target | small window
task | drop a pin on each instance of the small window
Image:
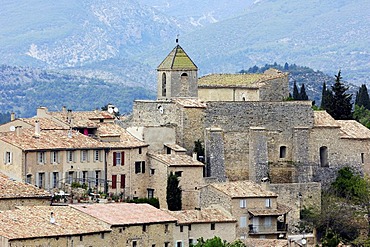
(137, 167)
(166, 228)
(152, 171)
(144, 228)
(153, 245)
(178, 173)
(362, 158)
(243, 221)
(213, 226)
(54, 157)
(81, 238)
(166, 244)
(150, 193)
(41, 157)
(116, 158)
(191, 241)
(55, 179)
(134, 243)
(83, 155)
(29, 179)
(189, 227)
(41, 180)
(140, 151)
(268, 203)
(96, 155)
(164, 85)
(282, 152)
(70, 156)
(181, 228)
(168, 150)
(102, 235)
(324, 157)
(8, 158)
(243, 203)
(179, 244)
(97, 178)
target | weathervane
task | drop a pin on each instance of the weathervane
(177, 39)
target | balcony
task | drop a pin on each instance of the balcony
(268, 229)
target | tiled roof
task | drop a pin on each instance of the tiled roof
(45, 123)
(10, 189)
(206, 215)
(323, 119)
(175, 147)
(266, 242)
(125, 213)
(280, 210)
(177, 59)
(83, 119)
(49, 139)
(237, 80)
(243, 189)
(351, 129)
(34, 222)
(176, 159)
(189, 103)
(125, 138)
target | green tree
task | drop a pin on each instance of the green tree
(362, 97)
(302, 93)
(341, 106)
(173, 193)
(326, 97)
(362, 115)
(217, 242)
(296, 95)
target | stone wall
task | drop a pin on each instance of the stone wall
(12, 203)
(297, 196)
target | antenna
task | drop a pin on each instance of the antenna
(110, 110)
(115, 109)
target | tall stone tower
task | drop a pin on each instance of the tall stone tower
(177, 76)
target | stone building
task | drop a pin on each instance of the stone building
(51, 226)
(133, 224)
(256, 209)
(203, 223)
(14, 193)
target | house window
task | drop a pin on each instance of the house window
(168, 150)
(70, 177)
(102, 235)
(84, 177)
(362, 158)
(41, 180)
(140, 150)
(181, 228)
(267, 222)
(29, 178)
(166, 244)
(164, 84)
(178, 173)
(134, 243)
(191, 241)
(140, 167)
(243, 221)
(144, 228)
(81, 238)
(152, 171)
(8, 158)
(55, 179)
(189, 227)
(41, 157)
(118, 158)
(243, 203)
(96, 155)
(123, 181)
(70, 156)
(150, 193)
(282, 152)
(268, 203)
(54, 157)
(324, 157)
(166, 228)
(97, 176)
(114, 181)
(213, 226)
(179, 244)
(84, 155)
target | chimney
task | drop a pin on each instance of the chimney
(37, 128)
(12, 116)
(64, 109)
(265, 183)
(195, 156)
(18, 130)
(52, 219)
(42, 112)
(69, 116)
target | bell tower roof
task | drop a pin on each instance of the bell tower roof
(177, 60)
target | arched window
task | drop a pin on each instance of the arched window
(324, 156)
(164, 84)
(184, 77)
(282, 152)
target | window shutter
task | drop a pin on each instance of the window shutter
(51, 181)
(114, 158)
(87, 156)
(114, 181)
(100, 155)
(143, 167)
(81, 155)
(122, 158)
(37, 179)
(123, 181)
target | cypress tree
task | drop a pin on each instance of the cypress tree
(296, 95)
(340, 107)
(173, 193)
(362, 97)
(302, 93)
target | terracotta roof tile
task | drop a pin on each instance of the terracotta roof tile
(34, 222)
(87, 119)
(351, 129)
(45, 123)
(13, 189)
(176, 159)
(280, 210)
(175, 147)
(206, 215)
(242, 189)
(126, 213)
